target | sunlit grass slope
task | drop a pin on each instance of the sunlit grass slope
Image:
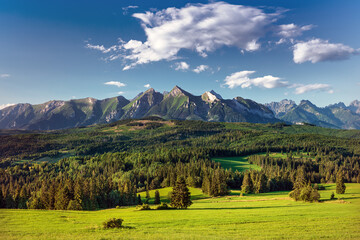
(262, 216)
(236, 163)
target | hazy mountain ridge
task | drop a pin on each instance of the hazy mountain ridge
(177, 104)
(336, 115)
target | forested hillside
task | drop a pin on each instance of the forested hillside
(105, 166)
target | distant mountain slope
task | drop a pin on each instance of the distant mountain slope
(210, 106)
(282, 107)
(139, 106)
(62, 114)
(355, 106)
(334, 116)
(177, 104)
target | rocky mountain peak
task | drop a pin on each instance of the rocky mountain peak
(211, 96)
(337, 105)
(355, 106)
(177, 91)
(282, 107)
(216, 94)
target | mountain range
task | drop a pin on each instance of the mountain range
(177, 104)
(333, 116)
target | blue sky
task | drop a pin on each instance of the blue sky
(262, 50)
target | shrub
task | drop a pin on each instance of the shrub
(162, 206)
(144, 207)
(305, 193)
(113, 223)
(332, 197)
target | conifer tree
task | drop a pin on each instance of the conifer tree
(180, 196)
(139, 202)
(340, 185)
(247, 184)
(261, 185)
(157, 197)
(147, 197)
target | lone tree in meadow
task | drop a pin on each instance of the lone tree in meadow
(180, 196)
(340, 185)
(303, 190)
(157, 197)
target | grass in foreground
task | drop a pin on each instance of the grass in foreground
(262, 216)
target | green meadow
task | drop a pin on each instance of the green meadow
(262, 216)
(236, 163)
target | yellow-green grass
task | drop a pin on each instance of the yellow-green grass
(196, 193)
(262, 216)
(236, 163)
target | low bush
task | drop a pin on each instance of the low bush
(332, 197)
(113, 223)
(162, 206)
(144, 207)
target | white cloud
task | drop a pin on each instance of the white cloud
(121, 93)
(291, 30)
(115, 83)
(314, 87)
(318, 50)
(101, 48)
(181, 66)
(147, 85)
(202, 28)
(126, 9)
(242, 79)
(6, 105)
(201, 68)
(4, 75)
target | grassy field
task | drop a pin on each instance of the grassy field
(262, 216)
(241, 163)
(196, 194)
(236, 163)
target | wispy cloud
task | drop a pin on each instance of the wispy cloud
(201, 68)
(121, 93)
(115, 83)
(291, 30)
(300, 89)
(318, 50)
(5, 75)
(147, 85)
(181, 66)
(126, 9)
(101, 48)
(243, 80)
(6, 105)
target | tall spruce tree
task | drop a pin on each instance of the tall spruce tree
(180, 196)
(157, 197)
(247, 184)
(340, 185)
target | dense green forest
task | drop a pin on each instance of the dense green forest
(104, 166)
